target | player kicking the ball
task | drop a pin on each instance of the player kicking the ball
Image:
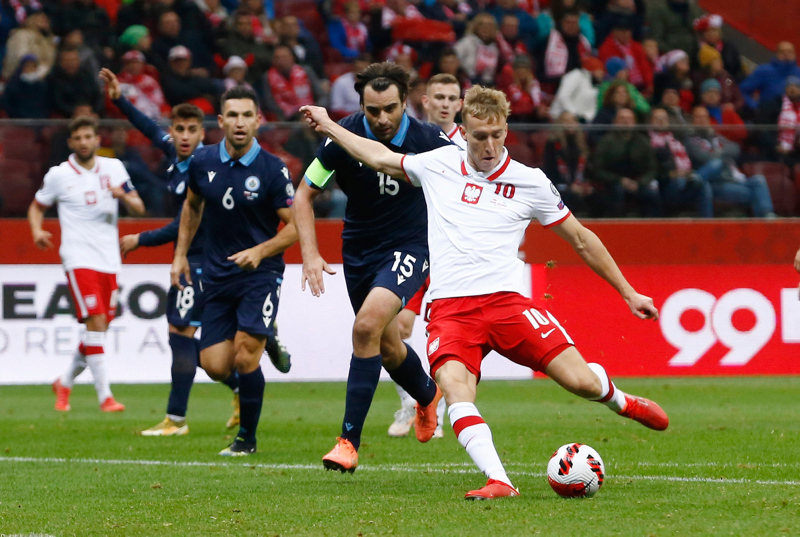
(479, 204)
(87, 189)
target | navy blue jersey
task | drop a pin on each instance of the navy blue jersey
(177, 175)
(241, 202)
(382, 213)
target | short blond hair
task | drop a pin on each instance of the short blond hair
(486, 103)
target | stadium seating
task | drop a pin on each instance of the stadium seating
(781, 187)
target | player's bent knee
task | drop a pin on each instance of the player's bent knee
(217, 371)
(366, 330)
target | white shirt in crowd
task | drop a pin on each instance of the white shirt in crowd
(476, 220)
(344, 97)
(87, 212)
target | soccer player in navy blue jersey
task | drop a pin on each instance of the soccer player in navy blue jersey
(242, 193)
(385, 253)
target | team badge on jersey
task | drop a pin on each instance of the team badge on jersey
(290, 190)
(252, 183)
(91, 197)
(472, 193)
(180, 188)
(554, 190)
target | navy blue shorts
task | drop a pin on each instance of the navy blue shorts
(184, 308)
(401, 271)
(247, 302)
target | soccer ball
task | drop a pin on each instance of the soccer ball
(575, 471)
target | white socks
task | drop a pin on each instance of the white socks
(406, 401)
(90, 352)
(476, 437)
(610, 396)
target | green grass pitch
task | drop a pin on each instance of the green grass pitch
(728, 465)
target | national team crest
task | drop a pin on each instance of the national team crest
(180, 188)
(472, 193)
(252, 183)
(90, 197)
(554, 190)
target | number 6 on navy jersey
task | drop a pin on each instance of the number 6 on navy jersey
(227, 199)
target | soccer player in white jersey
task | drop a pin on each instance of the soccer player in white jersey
(87, 189)
(479, 204)
(442, 102)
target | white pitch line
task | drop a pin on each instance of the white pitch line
(460, 468)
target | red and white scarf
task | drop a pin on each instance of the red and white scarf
(563, 167)
(19, 9)
(557, 54)
(290, 93)
(634, 73)
(356, 35)
(508, 52)
(678, 150)
(487, 59)
(788, 122)
(523, 102)
(144, 92)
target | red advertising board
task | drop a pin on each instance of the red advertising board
(714, 319)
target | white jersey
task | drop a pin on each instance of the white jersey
(87, 212)
(457, 138)
(476, 220)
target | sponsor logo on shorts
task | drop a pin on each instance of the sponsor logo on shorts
(472, 193)
(433, 347)
(91, 301)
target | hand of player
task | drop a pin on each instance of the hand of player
(118, 192)
(797, 261)
(180, 267)
(316, 117)
(112, 84)
(642, 306)
(246, 259)
(42, 238)
(312, 273)
(128, 243)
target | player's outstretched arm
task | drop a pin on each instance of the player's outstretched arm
(374, 154)
(250, 259)
(41, 238)
(595, 254)
(313, 263)
(191, 214)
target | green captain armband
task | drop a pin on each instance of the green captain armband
(317, 176)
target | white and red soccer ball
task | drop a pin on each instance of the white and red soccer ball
(575, 471)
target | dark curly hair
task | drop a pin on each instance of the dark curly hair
(380, 76)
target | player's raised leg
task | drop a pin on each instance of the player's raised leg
(591, 381)
(459, 386)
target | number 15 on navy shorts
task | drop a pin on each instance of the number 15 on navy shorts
(401, 271)
(247, 302)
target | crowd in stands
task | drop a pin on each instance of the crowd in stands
(609, 64)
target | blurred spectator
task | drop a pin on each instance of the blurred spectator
(671, 24)
(785, 112)
(69, 85)
(241, 42)
(565, 157)
(478, 51)
(768, 81)
(33, 37)
(577, 93)
(709, 33)
(216, 14)
(348, 34)
(721, 114)
(729, 184)
(303, 143)
(653, 55)
(21, 8)
(528, 28)
(624, 13)
(137, 37)
(25, 95)
(151, 189)
(404, 56)
(546, 21)
(142, 90)
(624, 168)
(192, 19)
(509, 41)
(455, 12)
(448, 63)
(235, 72)
(565, 48)
(711, 66)
(671, 102)
(89, 60)
(414, 106)
(305, 47)
(679, 184)
(181, 86)
(392, 9)
(91, 19)
(617, 71)
(263, 30)
(136, 13)
(676, 75)
(171, 34)
(525, 94)
(288, 86)
(344, 97)
(7, 23)
(620, 44)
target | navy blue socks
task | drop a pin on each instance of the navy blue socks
(412, 378)
(361, 384)
(232, 381)
(251, 397)
(185, 357)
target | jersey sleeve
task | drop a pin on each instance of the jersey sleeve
(437, 137)
(193, 175)
(282, 189)
(120, 176)
(47, 195)
(547, 206)
(414, 168)
(330, 155)
(146, 126)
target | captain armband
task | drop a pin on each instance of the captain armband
(127, 186)
(317, 176)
